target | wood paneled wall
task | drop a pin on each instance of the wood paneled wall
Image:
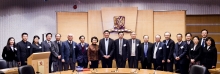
(195, 23)
(143, 22)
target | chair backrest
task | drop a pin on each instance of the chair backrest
(197, 69)
(26, 69)
(3, 64)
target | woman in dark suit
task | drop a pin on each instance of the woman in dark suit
(209, 58)
(195, 52)
(10, 53)
(35, 44)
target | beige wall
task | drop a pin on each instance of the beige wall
(172, 21)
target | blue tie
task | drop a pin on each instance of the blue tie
(145, 49)
(203, 43)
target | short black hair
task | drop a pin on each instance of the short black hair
(196, 37)
(180, 34)
(106, 31)
(145, 35)
(81, 36)
(168, 32)
(120, 32)
(188, 33)
(36, 36)
(49, 34)
(24, 34)
(94, 38)
(212, 41)
(58, 34)
(205, 30)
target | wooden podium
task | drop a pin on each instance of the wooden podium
(40, 62)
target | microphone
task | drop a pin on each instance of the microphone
(156, 69)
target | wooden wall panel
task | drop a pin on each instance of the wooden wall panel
(145, 24)
(72, 22)
(198, 28)
(130, 14)
(94, 24)
(172, 21)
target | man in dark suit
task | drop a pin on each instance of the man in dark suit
(168, 66)
(134, 51)
(106, 48)
(121, 49)
(189, 43)
(180, 55)
(56, 54)
(204, 34)
(82, 58)
(69, 53)
(146, 53)
(24, 50)
(46, 47)
(159, 53)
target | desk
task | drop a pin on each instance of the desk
(120, 71)
(215, 71)
(9, 70)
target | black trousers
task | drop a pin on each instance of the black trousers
(83, 64)
(182, 68)
(106, 63)
(169, 66)
(157, 66)
(70, 64)
(94, 64)
(145, 64)
(133, 62)
(120, 62)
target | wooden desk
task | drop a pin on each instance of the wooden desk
(120, 71)
(9, 70)
(215, 71)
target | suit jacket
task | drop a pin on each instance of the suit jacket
(111, 48)
(195, 54)
(55, 50)
(160, 53)
(125, 48)
(209, 56)
(66, 51)
(188, 46)
(82, 55)
(149, 52)
(200, 41)
(137, 48)
(180, 50)
(45, 46)
(24, 50)
(169, 49)
(9, 54)
(36, 48)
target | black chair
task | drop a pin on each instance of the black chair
(3, 64)
(26, 69)
(197, 69)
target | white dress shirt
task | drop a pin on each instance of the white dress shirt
(155, 50)
(106, 46)
(133, 47)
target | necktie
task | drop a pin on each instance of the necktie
(156, 44)
(166, 42)
(49, 43)
(106, 39)
(203, 43)
(120, 47)
(145, 49)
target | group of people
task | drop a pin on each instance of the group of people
(162, 54)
